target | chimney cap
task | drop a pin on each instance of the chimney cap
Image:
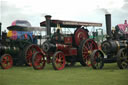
(107, 14)
(48, 16)
(125, 22)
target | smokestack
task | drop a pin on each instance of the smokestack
(125, 22)
(48, 22)
(108, 25)
(0, 29)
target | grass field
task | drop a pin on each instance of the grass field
(77, 75)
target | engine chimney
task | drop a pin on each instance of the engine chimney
(125, 22)
(0, 29)
(48, 22)
(108, 25)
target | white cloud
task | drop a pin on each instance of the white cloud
(80, 10)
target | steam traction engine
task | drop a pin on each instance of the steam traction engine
(15, 44)
(115, 46)
(60, 48)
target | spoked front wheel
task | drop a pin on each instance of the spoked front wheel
(6, 61)
(122, 58)
(58, 60)
(97, 59)
(38, 61)
(30, 50)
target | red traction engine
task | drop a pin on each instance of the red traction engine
(65, 49)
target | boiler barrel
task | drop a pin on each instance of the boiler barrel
(114, 46)
(8, 49)
(50, 47)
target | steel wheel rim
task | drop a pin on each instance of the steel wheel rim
(59, 61)
(87, 49)
(124, 59)
(30, 51)
(39, 61)
(6, 61)
(97, 59)
(85, 54)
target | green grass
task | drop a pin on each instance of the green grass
(77, 75)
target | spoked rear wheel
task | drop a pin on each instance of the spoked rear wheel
(122, 58)
(6, 61)
(85, 49)
(29, 51)
(58, 60)
(38, 61)
(97, 59)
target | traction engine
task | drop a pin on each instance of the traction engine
(15, 45)
(65, 49)
(115, 46)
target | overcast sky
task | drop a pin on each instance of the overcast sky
(79, 10)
